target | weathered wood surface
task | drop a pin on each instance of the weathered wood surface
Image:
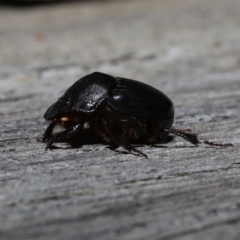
(189, 50)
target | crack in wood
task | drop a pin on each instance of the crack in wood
(198, 229)
(14, 99)
(13, 139)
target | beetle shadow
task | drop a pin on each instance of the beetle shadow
(168, 140)
(113, 148)
(86, 138)
(156, 144)
(89, 138)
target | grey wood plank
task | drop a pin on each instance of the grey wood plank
(189, 50)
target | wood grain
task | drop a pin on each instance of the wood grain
(189, 50)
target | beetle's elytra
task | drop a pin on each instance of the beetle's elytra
(120, 111)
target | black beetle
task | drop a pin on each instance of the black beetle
(120, 111)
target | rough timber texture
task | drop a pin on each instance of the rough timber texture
(188, 49)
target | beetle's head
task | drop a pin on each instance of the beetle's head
(62, 114)
(58, 109)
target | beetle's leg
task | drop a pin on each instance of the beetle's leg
(190, 137)
(193, 138)
(130, 148)
(125, 145)
(65, 135)
(107, 135)
(215, 144)
(47, 134)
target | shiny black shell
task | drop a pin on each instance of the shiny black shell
(123, 96)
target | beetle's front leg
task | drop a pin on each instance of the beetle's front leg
(47, 134)
(65, 135)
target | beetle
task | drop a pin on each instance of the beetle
(120, 111)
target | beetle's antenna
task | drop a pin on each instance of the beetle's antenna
(215, 144)
(190, 137)
(193, 138)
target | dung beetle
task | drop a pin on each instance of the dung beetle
(118, 110)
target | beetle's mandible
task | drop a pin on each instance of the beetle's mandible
(118, 110)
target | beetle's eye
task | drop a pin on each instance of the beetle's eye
(64, 119)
